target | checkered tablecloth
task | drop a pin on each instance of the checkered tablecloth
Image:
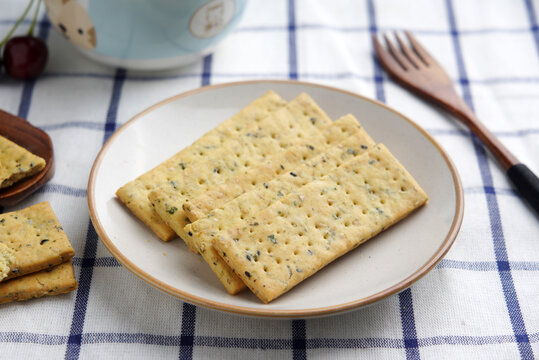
(480, 302)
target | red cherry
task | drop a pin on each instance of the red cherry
(25, 57)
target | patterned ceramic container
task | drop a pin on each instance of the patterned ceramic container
(145, 34)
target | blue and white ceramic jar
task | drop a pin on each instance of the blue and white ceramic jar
(145, 34)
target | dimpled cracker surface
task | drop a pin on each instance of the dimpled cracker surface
(6, 260)
(260, 197)
(214, 198)
(321, 221)
(298, 122)
(36, 237)
(57, 280)
(135, 193)
(17, 163)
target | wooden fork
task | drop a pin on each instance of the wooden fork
(413, 67)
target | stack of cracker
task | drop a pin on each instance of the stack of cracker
(275, 193)
(35, 255)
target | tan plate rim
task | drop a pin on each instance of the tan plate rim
(257, 312)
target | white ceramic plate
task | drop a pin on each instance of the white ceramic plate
(383, 266)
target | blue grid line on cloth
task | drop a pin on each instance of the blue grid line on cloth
(26, 98)
(378, 74)
(407, 316)
(252, 343)
(90, 247)
(500, 250)
(313, 75)
(73, 125)
(470, 340)
(83, 293)
(530, 9)
(188, 331)
(292, 50)
(206, 70)
(490, 190)
(514, 133)
(110, 124)
(348, 29)
(62, 189)
(299, 340)
(307, 26)
(105, 261)
(28, 88)
(486, 265)
(408, 324)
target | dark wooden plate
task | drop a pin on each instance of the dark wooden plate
(34, 140)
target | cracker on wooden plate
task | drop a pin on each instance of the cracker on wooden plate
(36, 237)
(135, 193)
(300, 121)
(250, 203)
(16, 163)
(338, 131)
(7, 256)
(321, 221)
(56, 280)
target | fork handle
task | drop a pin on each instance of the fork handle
(460, 109)
(527, 184)
(523, 179)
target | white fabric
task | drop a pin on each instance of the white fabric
(481, 301)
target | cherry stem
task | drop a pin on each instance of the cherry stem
(8, 36)
(31, 29)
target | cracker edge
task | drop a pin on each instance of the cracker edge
(7, 256)
(68, 283)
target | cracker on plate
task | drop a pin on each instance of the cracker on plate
(300, 121)
(135, 193)
(17, 163)
(312, 226)
(217, 196)
(260, 197)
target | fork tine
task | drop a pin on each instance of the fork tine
(406, 65)
(409, 53)
(420, 51)
(386, 59)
